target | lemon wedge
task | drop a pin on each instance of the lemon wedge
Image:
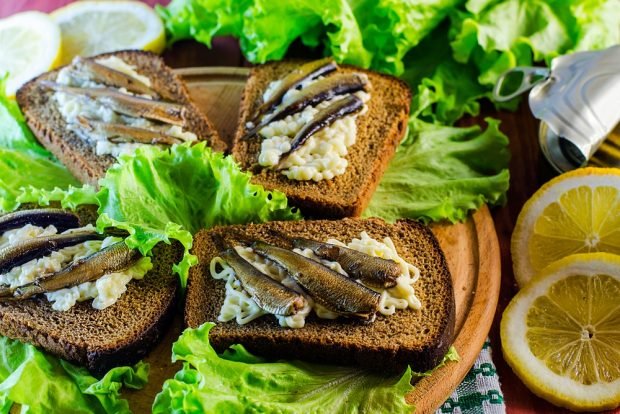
(561, 332)
(92, 27)
(30, 45)
(576, 212)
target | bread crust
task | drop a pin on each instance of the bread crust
(99, 340)
(379, 134)
(409, 337)
(52, 131)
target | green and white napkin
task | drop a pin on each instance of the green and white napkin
(480, 391)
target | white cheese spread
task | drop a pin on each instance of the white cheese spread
(105, 291)
(240, 306)
(323, 155)
(72, 106)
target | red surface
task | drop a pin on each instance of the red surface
(8, 7)
(524, 181)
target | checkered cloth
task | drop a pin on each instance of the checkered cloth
(480, 392)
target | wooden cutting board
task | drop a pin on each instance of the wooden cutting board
(471, 249)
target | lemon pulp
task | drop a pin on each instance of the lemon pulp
(93, 27)
(30, 45)
(583, 220)
(575, 328)
(575, 213)
(561, 333)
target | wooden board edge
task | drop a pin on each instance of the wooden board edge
(431, 392)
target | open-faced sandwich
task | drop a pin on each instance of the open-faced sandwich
(90, 112)
(352, 291)
(321, 133)
(81, 295)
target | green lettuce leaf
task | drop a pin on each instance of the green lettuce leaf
(159, 195)
(239, 382)
(446, 89)
(509, 34)
(442, 172)
(24, 164)
(41, 383)
(23, 172)
(203, 19)
(451, 356)
(71, 198)
(457, 64)
(366, 33)
(499, 35)
(596, 24)
(391, 28)
(269, 28)
(14, 133)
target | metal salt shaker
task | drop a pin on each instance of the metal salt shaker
(578, 103)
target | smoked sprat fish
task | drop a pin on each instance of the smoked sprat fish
(42, 217)
(119, 133)
(310, 70)
(372, 271)
(320, 91)
(330, 289)
(90, 70)
(166, 112)
(114, 258)
(27, 250)
(268, 294)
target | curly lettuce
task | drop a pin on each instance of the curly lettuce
(391, 28)
(15, 134)
(22, 172)
(367, 33)
(446, 89)
(203, 20)
(499, 35)
(59, 385)
(24, 164)
(239, 382)
(71, 198)
(159, 195)
(443, 173)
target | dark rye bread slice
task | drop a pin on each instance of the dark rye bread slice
(380, 131)
(418, 338)
(52, 131)
(121, 334)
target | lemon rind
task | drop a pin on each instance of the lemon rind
(49, 30)
(555, 388)
(533, 208)
(153, 38)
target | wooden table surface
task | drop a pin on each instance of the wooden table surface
(528, 171)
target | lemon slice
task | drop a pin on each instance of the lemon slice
(29, 46)
(577, 212)
(93, 27)
(561, 333)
